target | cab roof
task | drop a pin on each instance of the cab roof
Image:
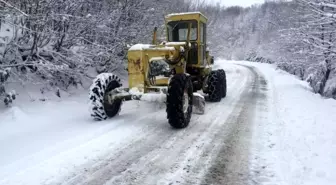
(187, 16)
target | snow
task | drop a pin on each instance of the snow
(139, 47)
(330, 88)
(198, 103)
(162, 48)
(175, 43)
(6, 35)
(185, 13)
(136, 91)
(47, 141)
(198, 95)
(148, 97)
(296, 139)
(293, 141)
(154, 97)
(182, 49)
(6, 32)
(4, 74)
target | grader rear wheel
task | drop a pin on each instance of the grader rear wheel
(214, 86)
(101, 108)
(223, 80)
(179, 101)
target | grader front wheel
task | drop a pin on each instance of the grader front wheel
(179, 101)
(101, 108)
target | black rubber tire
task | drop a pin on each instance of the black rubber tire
(223, 79)
(101, 109)
(214, 86)
(175, 115)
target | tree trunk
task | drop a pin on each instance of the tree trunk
(327, 54)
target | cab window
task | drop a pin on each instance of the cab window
(178, 31)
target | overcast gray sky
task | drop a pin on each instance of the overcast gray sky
(243, 3)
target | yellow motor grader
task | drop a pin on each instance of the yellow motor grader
(175, 69)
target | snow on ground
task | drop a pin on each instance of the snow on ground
(41, 141)
(297, 141)
(294, 143)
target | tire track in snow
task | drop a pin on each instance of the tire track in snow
(198, 157)
(160, 150)
(169, 159)
(231, 166)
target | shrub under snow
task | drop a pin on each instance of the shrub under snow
(330, 87)
(316, 76)
(8, 97)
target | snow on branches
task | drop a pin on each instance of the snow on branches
(320, 36)
(61, 44)
(8, 97)
(298, 36)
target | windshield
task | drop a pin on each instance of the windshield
(178, 31)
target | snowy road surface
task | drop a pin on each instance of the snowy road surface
(266, 131)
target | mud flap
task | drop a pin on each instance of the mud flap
(198, 104)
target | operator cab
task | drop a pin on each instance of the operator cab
(177, 31)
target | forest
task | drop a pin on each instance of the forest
(63, 44)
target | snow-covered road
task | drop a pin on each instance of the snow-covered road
(236, 142)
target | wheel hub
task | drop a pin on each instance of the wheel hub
(108, 99)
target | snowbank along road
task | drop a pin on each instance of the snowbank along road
(58, 143)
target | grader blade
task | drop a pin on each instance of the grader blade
(198, 101)
(198, 104)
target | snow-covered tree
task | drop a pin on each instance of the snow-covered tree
(56, 43)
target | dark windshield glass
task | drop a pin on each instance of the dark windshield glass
(178, 31)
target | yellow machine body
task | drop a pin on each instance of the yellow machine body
(171, 72)
(175, 53)
(139, 59)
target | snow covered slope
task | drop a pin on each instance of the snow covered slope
(270, 129)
